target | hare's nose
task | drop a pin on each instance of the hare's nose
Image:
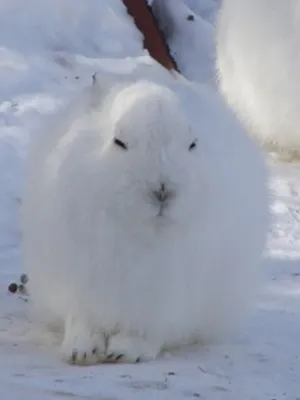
(162, 194)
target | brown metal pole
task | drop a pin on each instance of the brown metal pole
(154, 41)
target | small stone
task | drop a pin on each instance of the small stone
(190, 17)
(24, 279)
(13, 287)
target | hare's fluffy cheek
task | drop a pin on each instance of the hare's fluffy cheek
(123, 193)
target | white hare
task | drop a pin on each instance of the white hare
(145, 217)
(258, 57)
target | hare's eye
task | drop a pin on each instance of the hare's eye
(193, 145)
(121, 144)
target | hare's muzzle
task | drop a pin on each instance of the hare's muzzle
(162, 195)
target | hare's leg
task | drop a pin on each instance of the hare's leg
(83, 343)
(130, 349)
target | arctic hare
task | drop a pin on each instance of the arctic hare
(145, 217)
(259, 68)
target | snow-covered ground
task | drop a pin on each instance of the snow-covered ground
(48, 51)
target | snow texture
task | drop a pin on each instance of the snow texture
(259, 62)
(49, 51)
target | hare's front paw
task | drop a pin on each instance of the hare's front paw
(128, 349)
(82, 345)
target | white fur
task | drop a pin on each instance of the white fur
(259, 68)
(124, 281)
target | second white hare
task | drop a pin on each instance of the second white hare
(258, 50)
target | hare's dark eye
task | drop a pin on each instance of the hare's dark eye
(121, 144)
(193, 145)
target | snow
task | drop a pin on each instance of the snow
(189, 40)
(48, 51)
